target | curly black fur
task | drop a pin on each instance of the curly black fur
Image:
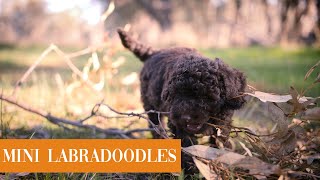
(194, 89)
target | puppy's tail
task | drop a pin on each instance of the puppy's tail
(142, 51)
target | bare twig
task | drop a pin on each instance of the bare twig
(66, 58)
(299, 173)
(248, 131)
(65, 122)
(82, 52)
(139, 130)
(34, 65)
(140, 115)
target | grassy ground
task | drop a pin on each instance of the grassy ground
(273, 69)
(267, 69)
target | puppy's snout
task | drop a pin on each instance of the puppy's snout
(186, 118)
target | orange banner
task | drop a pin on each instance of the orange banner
(90, 155)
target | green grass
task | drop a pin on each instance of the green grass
(272, 69)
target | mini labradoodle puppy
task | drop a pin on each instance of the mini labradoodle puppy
(200, 94)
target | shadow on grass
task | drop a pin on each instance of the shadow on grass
(11, 66)
(6, 46)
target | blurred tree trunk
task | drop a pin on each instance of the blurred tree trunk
(317, 28)
(159, 10)
(237, 18)
(268, 17)
(25, 18)
(291, 27)
(285, 7)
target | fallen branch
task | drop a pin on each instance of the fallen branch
(79, 123)
(158, 128)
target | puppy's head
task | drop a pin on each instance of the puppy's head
(198, 89)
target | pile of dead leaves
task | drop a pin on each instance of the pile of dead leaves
(293, 151)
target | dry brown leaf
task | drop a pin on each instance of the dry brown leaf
(267, 97)
(22, 174)
(287, 108)
(311, 158)
(280, 146)
(257, 168)
(297, 107)
(317, 79)
(219, 132)
(294, 94)
(278, 117)
(120, 61)
(259, 147)
(231, 159)
(245, 148)
(204, 151)
(284, 140)
(100, 85)
(86, 69)
(130, 79)
(297, 104)
(311, 114)
(310, 102)
(95, 61)
(205, 169)
(176, 174)
(311, 70)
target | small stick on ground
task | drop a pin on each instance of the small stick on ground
(79, 123)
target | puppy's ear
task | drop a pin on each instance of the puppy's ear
(234, 89)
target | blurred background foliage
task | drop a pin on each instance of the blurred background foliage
(206, 23)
